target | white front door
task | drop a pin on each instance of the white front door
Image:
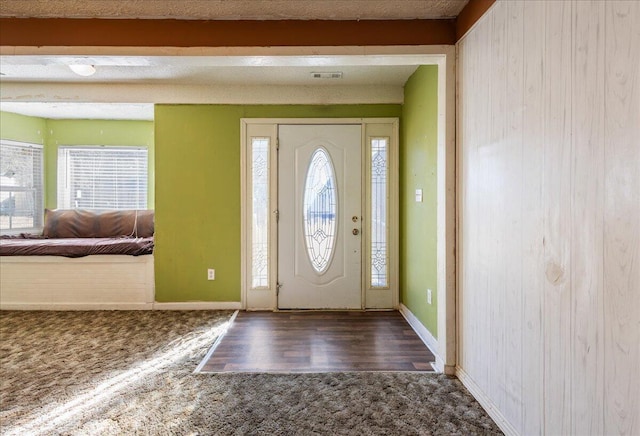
(320, 215)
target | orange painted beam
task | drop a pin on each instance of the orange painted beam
(203, 33)
(471, 13)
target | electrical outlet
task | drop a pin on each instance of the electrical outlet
(429, 296)
(211, 274)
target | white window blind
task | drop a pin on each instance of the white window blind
(21, 203)
(102, 177)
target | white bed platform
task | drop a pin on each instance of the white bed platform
(92, 282)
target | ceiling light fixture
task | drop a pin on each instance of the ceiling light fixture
(83, 70)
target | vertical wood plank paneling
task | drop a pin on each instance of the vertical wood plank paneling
(558, 231)
(587, 201)
(482, 143)
(466, 131)
(622, 219)
(512, 193)
(532, 219)
(496, 170)
(549, 107)
(471, 277)
(463, 131)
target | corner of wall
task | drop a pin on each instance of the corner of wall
(418, 219)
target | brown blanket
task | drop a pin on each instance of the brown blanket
(74, 247)
(77, 223)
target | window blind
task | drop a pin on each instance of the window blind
(102, 177)
(21, 201)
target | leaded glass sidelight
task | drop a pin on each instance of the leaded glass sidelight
(379, 198)
(320, 210)
(260, 212)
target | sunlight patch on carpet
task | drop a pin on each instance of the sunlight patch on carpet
(46, 421)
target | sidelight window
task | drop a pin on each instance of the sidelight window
(260, 212)
(379, 212)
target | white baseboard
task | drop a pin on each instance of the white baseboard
(76, 306)
(424, 334)
(198, 305)
(485, 402)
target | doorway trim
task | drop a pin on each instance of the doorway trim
(442, 55)
(265, 297)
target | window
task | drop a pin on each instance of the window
(320, 210)
(379, 216)
(21, 204)
(259, 157)
(102, 177)
(260, 212)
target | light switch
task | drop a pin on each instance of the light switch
(418, 195)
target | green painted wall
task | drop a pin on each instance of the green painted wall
(198, 192)
(22, 128)
(418, 165)
(94, 132)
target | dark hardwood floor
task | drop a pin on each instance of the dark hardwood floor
(319, 342)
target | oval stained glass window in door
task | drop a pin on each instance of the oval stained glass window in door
(320, 210)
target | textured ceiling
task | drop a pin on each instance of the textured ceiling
(282, 73)
(235, 9)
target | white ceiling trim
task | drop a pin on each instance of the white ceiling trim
(397, 51)
(193, 94)
(87, 111)
(317, 60)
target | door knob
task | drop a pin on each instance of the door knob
(356, 232)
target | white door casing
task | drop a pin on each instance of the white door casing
(329, 276)
(260, 292)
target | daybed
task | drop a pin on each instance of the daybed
(82, 260)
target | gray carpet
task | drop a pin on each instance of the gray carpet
(131, 373)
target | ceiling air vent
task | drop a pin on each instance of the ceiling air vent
(330, 75)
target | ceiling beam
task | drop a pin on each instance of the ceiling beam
(204, 33)
(470, 14)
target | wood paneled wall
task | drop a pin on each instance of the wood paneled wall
(549, 215)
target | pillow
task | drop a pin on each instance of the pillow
(77, 223)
